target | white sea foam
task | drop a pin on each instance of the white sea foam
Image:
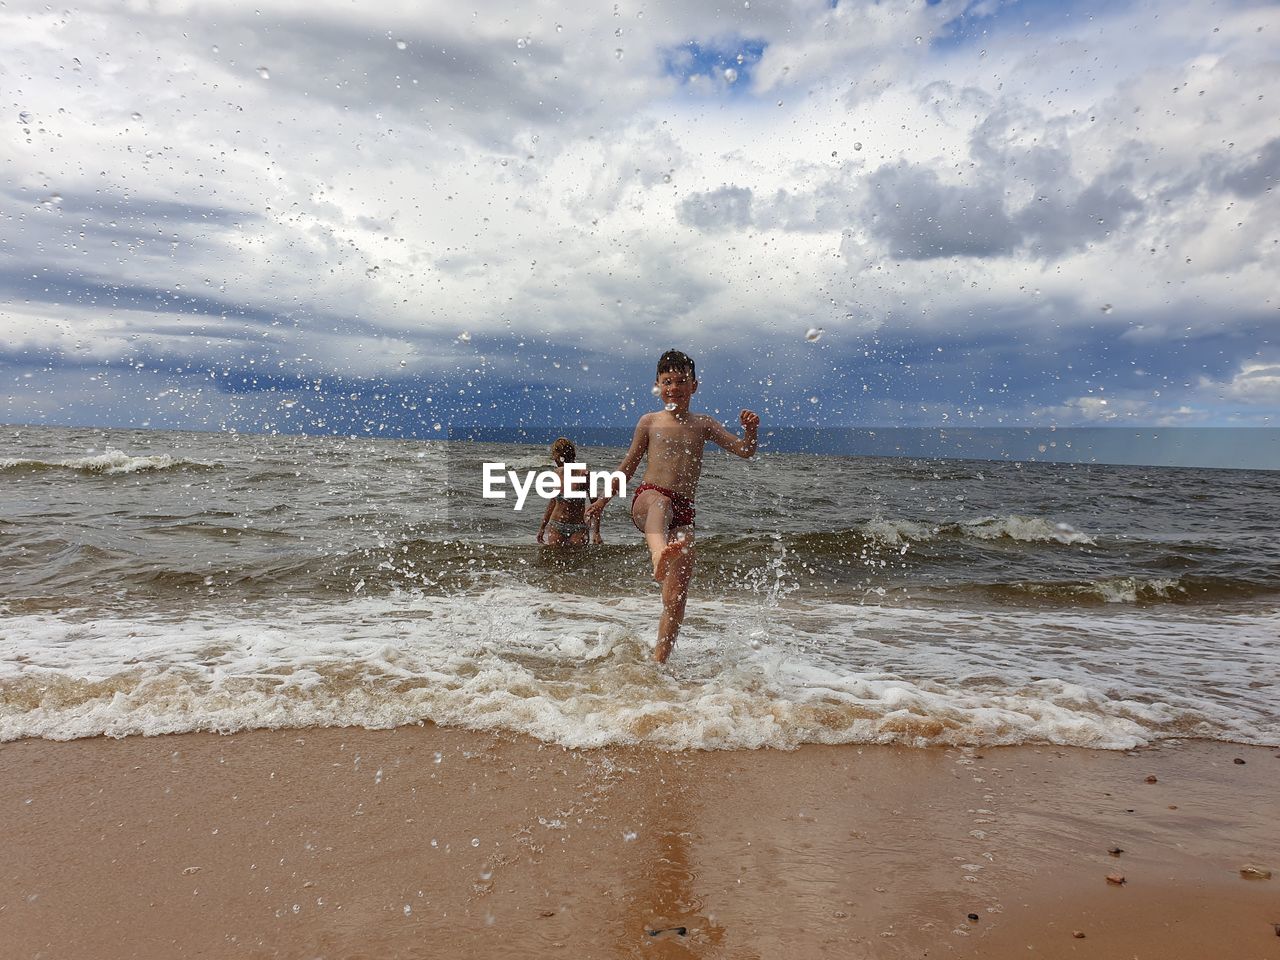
(1025, 529)
(896, 532)
(1132, 589)
(574, 671)
(110, 462)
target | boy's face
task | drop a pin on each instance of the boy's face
(676, 386)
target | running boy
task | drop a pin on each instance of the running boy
(662, 506)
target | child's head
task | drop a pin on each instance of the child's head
(563, 451)
(673, 361)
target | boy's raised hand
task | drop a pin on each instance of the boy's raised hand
(749, 419)
(597, 507)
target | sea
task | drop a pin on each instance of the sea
(160, 582)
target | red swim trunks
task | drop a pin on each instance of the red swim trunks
(681, 507)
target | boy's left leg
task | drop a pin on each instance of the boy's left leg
(651, 512)
(675, 591)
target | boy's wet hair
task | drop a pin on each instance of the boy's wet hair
(563, 451)
(673, 361)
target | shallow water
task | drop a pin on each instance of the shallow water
(157, 582)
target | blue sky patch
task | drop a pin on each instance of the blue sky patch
(729, 63)
(983, 19)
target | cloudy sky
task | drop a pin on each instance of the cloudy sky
(392, 218)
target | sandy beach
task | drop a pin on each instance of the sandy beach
(435, 842)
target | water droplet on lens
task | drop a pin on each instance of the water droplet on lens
(669, 407)
(813, 334)
(475, 841)
(654, 390)
(264, 73)
(666, 178)
(371, 272)
(402, 45)
(617, 54)
(1107, 308)
(135, 115)
(522, 42)
(858, 145)
(740, 58)
(730, 75)
(919, 39)
(464, 337)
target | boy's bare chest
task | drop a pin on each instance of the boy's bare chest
(677, 439)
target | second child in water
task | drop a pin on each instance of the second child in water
(662, 506)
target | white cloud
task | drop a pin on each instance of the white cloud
(1253, 383)
(507, 174)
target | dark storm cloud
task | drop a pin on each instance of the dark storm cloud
(918, 217)
(1255, 176)
(486, 88)
(727, 208)
(102, 218)
(827, 207)
(89, 290)
(106, 207)
(1062, 221)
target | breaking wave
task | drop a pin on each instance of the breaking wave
(573, 671)
(108, 463)
(1023, 529)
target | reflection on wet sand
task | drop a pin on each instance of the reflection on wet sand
(666, 903)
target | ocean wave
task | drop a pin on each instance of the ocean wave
(108, 463)
(1109, 590)
(1019, 528)
(573, 671)
(1189, 590)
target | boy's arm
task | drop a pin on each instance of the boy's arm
(546, 516)
(629, 463)
(744, 446)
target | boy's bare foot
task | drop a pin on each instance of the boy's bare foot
(665, 559)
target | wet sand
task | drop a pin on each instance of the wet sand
(431, 842)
